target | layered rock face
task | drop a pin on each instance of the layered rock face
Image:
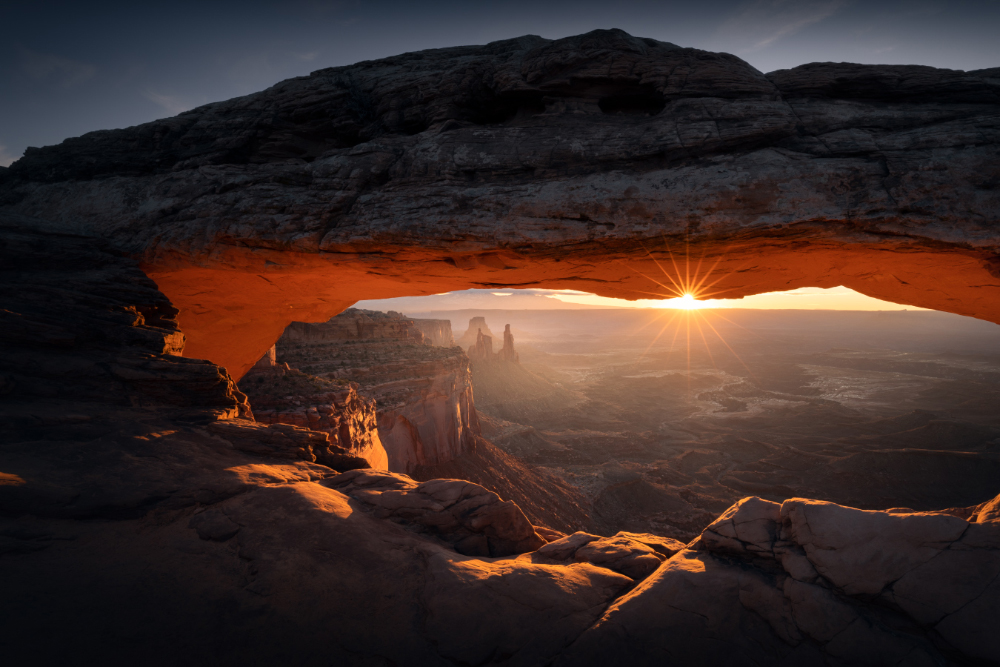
(281, 395)
(355, 324)
(436, 332)
(423, 394)
(587, 162)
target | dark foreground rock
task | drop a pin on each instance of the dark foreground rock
(807, 582)
(139, 526)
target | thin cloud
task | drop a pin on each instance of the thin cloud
(169, 103)
(307, 57)
(6, 159)
(764, 22)
(49, 67)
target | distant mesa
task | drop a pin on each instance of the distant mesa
(471, 335)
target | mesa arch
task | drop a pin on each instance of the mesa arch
(570, 163)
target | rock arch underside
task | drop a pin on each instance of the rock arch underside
(142, 505)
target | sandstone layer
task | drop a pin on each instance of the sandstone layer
(811, 583)
(436, 332)
(282, 395)
(423, 395)
(602, 162)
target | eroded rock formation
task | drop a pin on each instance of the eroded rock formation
(282, 395)
(477, 326)
(423, 394)
(476, 521)
(807, 582)
(482, 350)
(126, 511)
(569, 163)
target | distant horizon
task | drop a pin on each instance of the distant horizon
(806, 298)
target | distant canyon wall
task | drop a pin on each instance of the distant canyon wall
(423, 394)
(437, 332)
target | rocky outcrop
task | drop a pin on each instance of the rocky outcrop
(281, 395)
(507, 353)
(589, 162)
(546, 499)
(423, 394)
(809, 582)
(635, 555)
(436, 332)
(354, 324)
(476, 521)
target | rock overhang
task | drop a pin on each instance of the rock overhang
(589, 162)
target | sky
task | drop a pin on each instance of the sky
(71, 67)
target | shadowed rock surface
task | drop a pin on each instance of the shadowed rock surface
(806, 582)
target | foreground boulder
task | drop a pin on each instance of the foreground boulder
(809, 582)
(464, 514)
(632, 554)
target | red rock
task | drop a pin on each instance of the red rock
(293, 203)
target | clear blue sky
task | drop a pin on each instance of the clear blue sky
(68, 68)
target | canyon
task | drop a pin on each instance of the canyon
(148, 516)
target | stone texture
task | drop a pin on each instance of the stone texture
(436, 332)
(635, 555)
(476, 521)
(281, 395)
(587, 162)
(810, 582)
(423, 394)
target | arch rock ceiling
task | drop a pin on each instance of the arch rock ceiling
(602, 162)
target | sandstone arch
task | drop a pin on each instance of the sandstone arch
(532, 162)
(135, 503)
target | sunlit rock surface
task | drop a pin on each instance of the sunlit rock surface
(569, 163)
(476, 521)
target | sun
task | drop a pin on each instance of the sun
(687, 302)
